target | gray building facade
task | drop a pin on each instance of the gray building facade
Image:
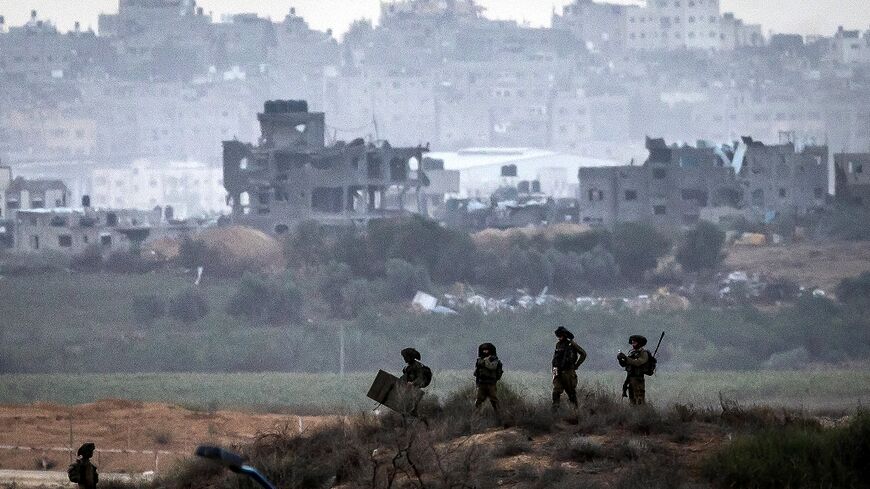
(853, 178)
(677, 183)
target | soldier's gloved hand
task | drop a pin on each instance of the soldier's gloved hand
(555, 371)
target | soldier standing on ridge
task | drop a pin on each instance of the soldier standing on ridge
(566, 359)
(487, 372)
(82, 471)
(415, 373)
(635, 364)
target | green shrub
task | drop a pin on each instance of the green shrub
(129, 262)
(599, 267)
(637, 248)
(360, 295)
(567, 271)
(404, 279)
(582, 242)
(89, 260)
(193, 253)
(307, 245)
(846, 222)
(795, 457)
(147, 308)
(331, 279)
(24, 264)
(276, 301)
(854, 289)
(701, 247)
(188, 306)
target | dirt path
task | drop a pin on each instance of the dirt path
(40, 478)
(130, 436)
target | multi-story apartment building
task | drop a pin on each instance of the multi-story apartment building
(736, 34)
(57, 132)
(35, 50)
(676, 183)
(168, 120)
(851, 46)
(599, 26)
(191, 189)
(71, 231)
(779, 179)
(853, 178)
(27, 194)
(674, 24)
(5, 181)
(668, 190)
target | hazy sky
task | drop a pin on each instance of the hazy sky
(801, 16)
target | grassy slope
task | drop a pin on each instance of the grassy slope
(317, 392)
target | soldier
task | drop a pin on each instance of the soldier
(566, 359)
(415, 373)
(487, 372)
(82, 471)
(635, 364)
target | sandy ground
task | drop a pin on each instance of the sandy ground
(127, 426)
(820, 265)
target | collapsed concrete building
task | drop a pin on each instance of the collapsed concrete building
(679, 185)
(291, 175)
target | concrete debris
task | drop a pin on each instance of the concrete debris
(521, 300)
(424, 301)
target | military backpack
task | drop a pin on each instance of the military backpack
(649, 368)
(74, 472)
(427, 375)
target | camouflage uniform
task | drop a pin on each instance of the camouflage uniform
(634, 364)
(566, 359)
(413, 372)
(82, 470)
(487, 372)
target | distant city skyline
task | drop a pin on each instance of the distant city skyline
(820, 17)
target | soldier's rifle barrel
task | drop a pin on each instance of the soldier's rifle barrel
(659, 344)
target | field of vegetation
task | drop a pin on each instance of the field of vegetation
(330, 393)
(94, 323)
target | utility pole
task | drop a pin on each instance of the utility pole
(341, 350)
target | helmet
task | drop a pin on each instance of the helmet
(410, 354)
(561, 331)
(86, 450)
(636, 337)
(486, 346)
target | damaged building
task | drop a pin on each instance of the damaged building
(853, 178)
(668, 190)
(679, 185)
(71, 231)
(291, 175)
(779, 179)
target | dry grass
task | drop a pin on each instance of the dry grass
(809, 264)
